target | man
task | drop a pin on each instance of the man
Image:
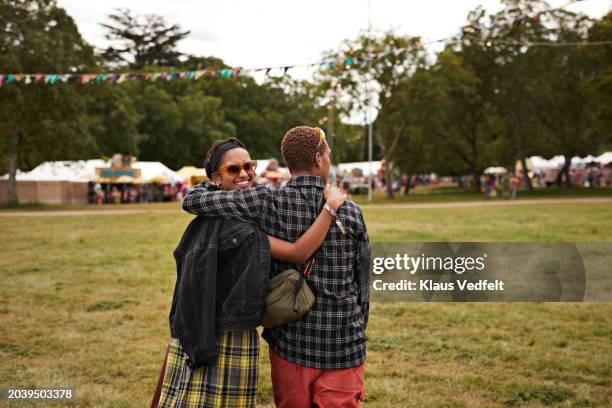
(318, 359)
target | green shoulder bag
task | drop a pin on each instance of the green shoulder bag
(288, 298)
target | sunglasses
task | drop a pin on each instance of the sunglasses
(235, 169)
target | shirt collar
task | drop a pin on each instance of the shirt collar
(306, 181)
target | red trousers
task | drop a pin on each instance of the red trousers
(296, 386)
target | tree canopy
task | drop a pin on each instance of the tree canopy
(504, 88)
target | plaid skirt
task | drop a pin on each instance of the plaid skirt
(232, 382)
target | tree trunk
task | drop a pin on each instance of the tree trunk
(12, 168)
(518, 140)
(408, 184)
(474, 162)
(476, 179)
(568, 165)
(564, 172)
(387, 152)
(474, 165)
(525, 172)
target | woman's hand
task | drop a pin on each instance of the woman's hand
(334, 197)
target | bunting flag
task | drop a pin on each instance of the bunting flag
(347, 62)
(117, 78)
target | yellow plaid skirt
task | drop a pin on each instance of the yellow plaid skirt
(232, 382)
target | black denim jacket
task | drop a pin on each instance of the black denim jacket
(222, 268)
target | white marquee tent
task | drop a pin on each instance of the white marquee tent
(538, 163)
(363, 166)
(85, 170)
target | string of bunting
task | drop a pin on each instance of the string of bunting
(347, 62)
(117, 78)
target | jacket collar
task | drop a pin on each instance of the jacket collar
(315, 181)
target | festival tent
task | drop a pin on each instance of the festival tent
(65, 182)
(192, 175)
(364, 167)
(60, 182)
(540, 163)
(157, 172)
(605, 158)
(75, 171)
(495, 170)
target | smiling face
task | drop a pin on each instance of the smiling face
(233, 181)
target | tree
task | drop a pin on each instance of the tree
(421, 151)
(142, 41)
(600, 59)
(464, 121)
(488, 44)
(38, 36)
(113, 119)
(565, 99)
(368, 71)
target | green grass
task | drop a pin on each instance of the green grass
(84, 303)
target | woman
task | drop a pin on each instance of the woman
(224, 374)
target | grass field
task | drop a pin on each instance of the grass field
(84, 303)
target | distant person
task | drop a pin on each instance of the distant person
(116, 195)
(272, 175)
(489, 186)
(515, 182)
(505, 186)
(99, 193)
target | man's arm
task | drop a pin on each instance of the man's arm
(245, 204)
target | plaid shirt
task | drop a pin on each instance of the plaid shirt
(332, 333)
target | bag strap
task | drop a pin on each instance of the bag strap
(160, 381)
(311, 260)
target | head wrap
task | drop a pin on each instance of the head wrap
(215, 158)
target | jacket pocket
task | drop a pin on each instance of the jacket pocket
(233, 236)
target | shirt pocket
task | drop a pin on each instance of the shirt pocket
(233, 236)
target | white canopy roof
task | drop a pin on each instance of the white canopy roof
(605, 158)
(539, 163)
(495, 170)
(363, 166)
(151, 170)
(85, 170)
(81, 170)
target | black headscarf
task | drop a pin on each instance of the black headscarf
(215, 158)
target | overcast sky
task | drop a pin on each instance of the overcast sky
(253, 34)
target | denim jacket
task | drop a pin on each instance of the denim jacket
(222, 270)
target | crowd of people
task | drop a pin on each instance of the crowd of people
(116, 193)
(504, 185)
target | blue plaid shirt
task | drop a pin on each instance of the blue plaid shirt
(332, 333)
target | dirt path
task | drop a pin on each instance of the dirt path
(66, 213)
(464, 204)
(477, 204)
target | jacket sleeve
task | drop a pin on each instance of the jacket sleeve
(194, 328)
(244, 204)
(363, 263)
